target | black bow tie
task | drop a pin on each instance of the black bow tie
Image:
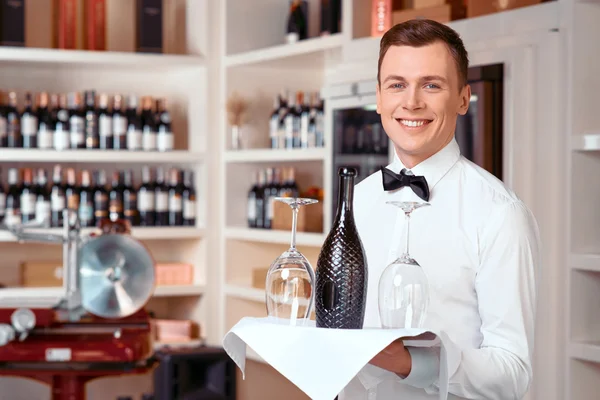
(393, 181)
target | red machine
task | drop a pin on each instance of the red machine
(98, 328)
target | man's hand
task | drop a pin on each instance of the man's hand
(394, 358)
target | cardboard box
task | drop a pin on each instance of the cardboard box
(476, 8)
(443, 14)
(310, 218)
(42, 274)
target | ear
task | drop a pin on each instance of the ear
(378, 94)
(465, 99)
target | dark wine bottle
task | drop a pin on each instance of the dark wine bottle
(130, 201)
(42, 203)
(12, 214)
(29, 123)
(58, 200)
(28, 196)
(145, 198)
(86, 201)
(342, 272)
(101, 199)
(189, 198)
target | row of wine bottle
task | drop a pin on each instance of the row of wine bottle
(297, 121)
(155, 202)
(269, 183)
(83, 121)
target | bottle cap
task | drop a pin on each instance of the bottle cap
(347, 171)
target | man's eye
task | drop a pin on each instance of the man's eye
(432, 86)
(396, 86)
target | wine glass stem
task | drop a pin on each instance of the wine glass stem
(407, 232)
(294, 223)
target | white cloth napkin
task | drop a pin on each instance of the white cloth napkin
(321, 362)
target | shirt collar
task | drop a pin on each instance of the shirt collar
(433, 168)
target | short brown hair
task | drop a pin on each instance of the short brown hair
(422, 32)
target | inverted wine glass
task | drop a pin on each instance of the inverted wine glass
(290, 283)
(403, 286)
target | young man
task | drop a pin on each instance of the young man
(476, 242)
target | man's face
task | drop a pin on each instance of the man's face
(419, 99)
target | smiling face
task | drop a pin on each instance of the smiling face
(419, 99)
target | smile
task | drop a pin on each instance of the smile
(413, 123)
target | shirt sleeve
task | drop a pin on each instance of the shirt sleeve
(500, 369)
(425, 368)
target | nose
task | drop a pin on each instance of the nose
(412, 100)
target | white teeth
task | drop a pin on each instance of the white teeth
(412, 123)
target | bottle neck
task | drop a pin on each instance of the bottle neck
(346, 196)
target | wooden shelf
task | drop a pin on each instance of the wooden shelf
(99, 156)
(151, 233)
(310, 53)
(271, 236)
(116, 59)
(585, 262)
(585, 351)
(269, 155)
(54, 293)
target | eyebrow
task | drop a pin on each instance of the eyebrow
(423, 78)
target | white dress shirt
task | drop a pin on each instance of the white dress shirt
(478, 245)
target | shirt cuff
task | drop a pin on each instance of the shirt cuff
(425, 367)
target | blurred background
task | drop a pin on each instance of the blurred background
(185, 117)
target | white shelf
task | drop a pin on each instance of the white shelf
(150, 233)
(141, 61)
(272, 236)
(269, 155)
(585, 262)
(245, 293)
(42, 294)
(586, 142)
(585, 351)
(99, 156)
(309, 53)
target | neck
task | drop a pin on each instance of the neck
(411, 160)
(346, 196)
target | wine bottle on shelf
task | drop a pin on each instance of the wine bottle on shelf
(251, 201)
(130, 199)
(274, 123)
(119, 124)
(46, 124)
(3, 122)
(42, 201)
(12, 214)
(90, 113)
(320, 123)
(164, 134)
(76, 121)
(342, 272)
(305, 120)
(86, 201)
(58, 200)
(115, 197)
(101, 198)
(297, 120)
(62, 129)
(105, 123)
(148, 121)
(297, 21)
(267, 203)
(13, 132)
(260, 199)
(72, 190)
(175, 198)
(161, 196)
(134, 124)
(2, 199)
(29, 123)
(283, 110)
(311, 135)
(290, 122)
(28, 197)
(146, 200)
(189, 198)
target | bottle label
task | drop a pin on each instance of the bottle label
(28, 125)
(289, 131)
(3, 127)
(101, 205)
(45, 137)
(86, 212)
(189, 209)
(119, 125)
(304, 129)
(12, 217)
(251, 209)
(162, 202)
(57, 202)
(164, 141)
(274, 127)
(145, 201)
(175, 203)
(134, 139)
(27, 204)
(42, 212)
(73, 202)
(61, 138)
(77, 131)
(149, 140)
(105, 125)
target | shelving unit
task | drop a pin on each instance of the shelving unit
(275, 156)
(100, 156)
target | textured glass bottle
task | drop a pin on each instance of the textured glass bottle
(341, 276)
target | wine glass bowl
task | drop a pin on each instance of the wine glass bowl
(403, 285)
(290, 282)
